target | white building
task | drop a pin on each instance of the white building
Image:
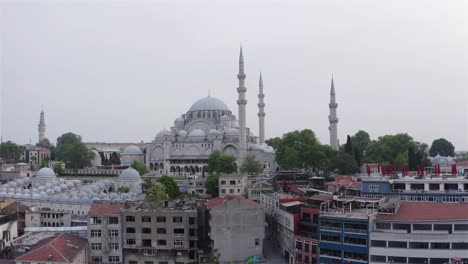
(432, 233)
(232, 184)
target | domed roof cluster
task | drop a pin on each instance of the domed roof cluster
(262, 147)
(129, 174)
(439, 160)
(163, 133)
(132, 150)
(209, 103)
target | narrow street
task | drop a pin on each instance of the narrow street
(272, 253)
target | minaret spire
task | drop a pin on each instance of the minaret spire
(241, 103)
(261, 111)
(332, 118)
(41, 126)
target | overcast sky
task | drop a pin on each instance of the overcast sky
(120, 71)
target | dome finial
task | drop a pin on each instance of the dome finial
(241, 56)
(209, 92)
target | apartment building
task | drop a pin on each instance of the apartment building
(417, 232)
(45, 217)
(160, 234)
(105, 232)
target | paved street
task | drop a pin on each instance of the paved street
(272, 253)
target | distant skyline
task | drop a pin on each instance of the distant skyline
(122, 71)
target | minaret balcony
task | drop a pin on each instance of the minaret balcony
(242, 102)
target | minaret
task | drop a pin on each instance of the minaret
(41, 127)
(241, 103)
(332, 118)
(261, 111)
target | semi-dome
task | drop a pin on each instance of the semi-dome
(132, 150)
(214, 132)
(179, 120)
(182, 134)
(209, 103)
(129, 174)
(197, 133)
(45, 172)
(163, 133)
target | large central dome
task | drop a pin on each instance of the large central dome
(209, 104)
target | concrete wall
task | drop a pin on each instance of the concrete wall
(237, 229)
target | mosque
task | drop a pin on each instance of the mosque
(208, 125)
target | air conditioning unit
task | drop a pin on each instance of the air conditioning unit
(179, 253)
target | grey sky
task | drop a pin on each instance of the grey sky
(123, 70)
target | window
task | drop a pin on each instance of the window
(177, 219)
(162, 242)
(146, 230)
(331, 238)
(96, 246)
(96, 259)
(383, 226)
(114, 258)
(223, 182)
(161, 231)
(95, 233)
(113, 220)
(161, 219)
(306, 246)
(132, 262)
(130, 230)
(131, 241)
(440, 245)
(257, 242)
(146, 242)
(223, 190)
(378, 243)
(397, 244)
(192, 221)
(130, 218)
(422, 227)
(179, 232)
(114, 246)
(314, 249)
(373, 187)
(402, 227)
(355, 240)
(439, 261)
(231, 190)
(459, 245)
(95, 220)
(418, 260)
(178, 242)
(418, 245)
(113, 233)
(149, 252)
(146, 219)
(378, 258)
(149, 262)
(232, 182)
(461, 227)
(442, 227)
(163, 262)
(299, 244)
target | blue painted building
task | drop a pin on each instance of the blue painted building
(441, 189)
(344, 230)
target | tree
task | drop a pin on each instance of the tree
(123, 189)
(386, 148)
(250, 165)
(301, 149)
(348, 148)
(10, 152)
(140, 167)
(114, 159)
(156, 193)
(346, 164)
(45, 143)
(212, 185)
(361, 140)
(58, 167)
(170, 185)
(221, 163)
(73, 152)
(214, 257)
(412, 162)
(442, 147)
(357, 156)
(461, 156)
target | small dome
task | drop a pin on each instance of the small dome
(45, 173)
(163, 133)
(179, 120)
(197, 133)
(209, 103)
(214, 132)
(132, 150)
(182, 134)
(225, 118)
(129, 174)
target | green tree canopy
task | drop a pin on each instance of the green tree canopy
(156, 193)
(442, 147)
(212, 185)
(45, 143)
(221, 163)
(346, 164)
(140, 167)
(360, 141)
(73, 152)
(10, 152)
(301, 149)
(170, 185)
(250, 165)
(348, 147)
(123, 189)
(114, 159)
(387, 148)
